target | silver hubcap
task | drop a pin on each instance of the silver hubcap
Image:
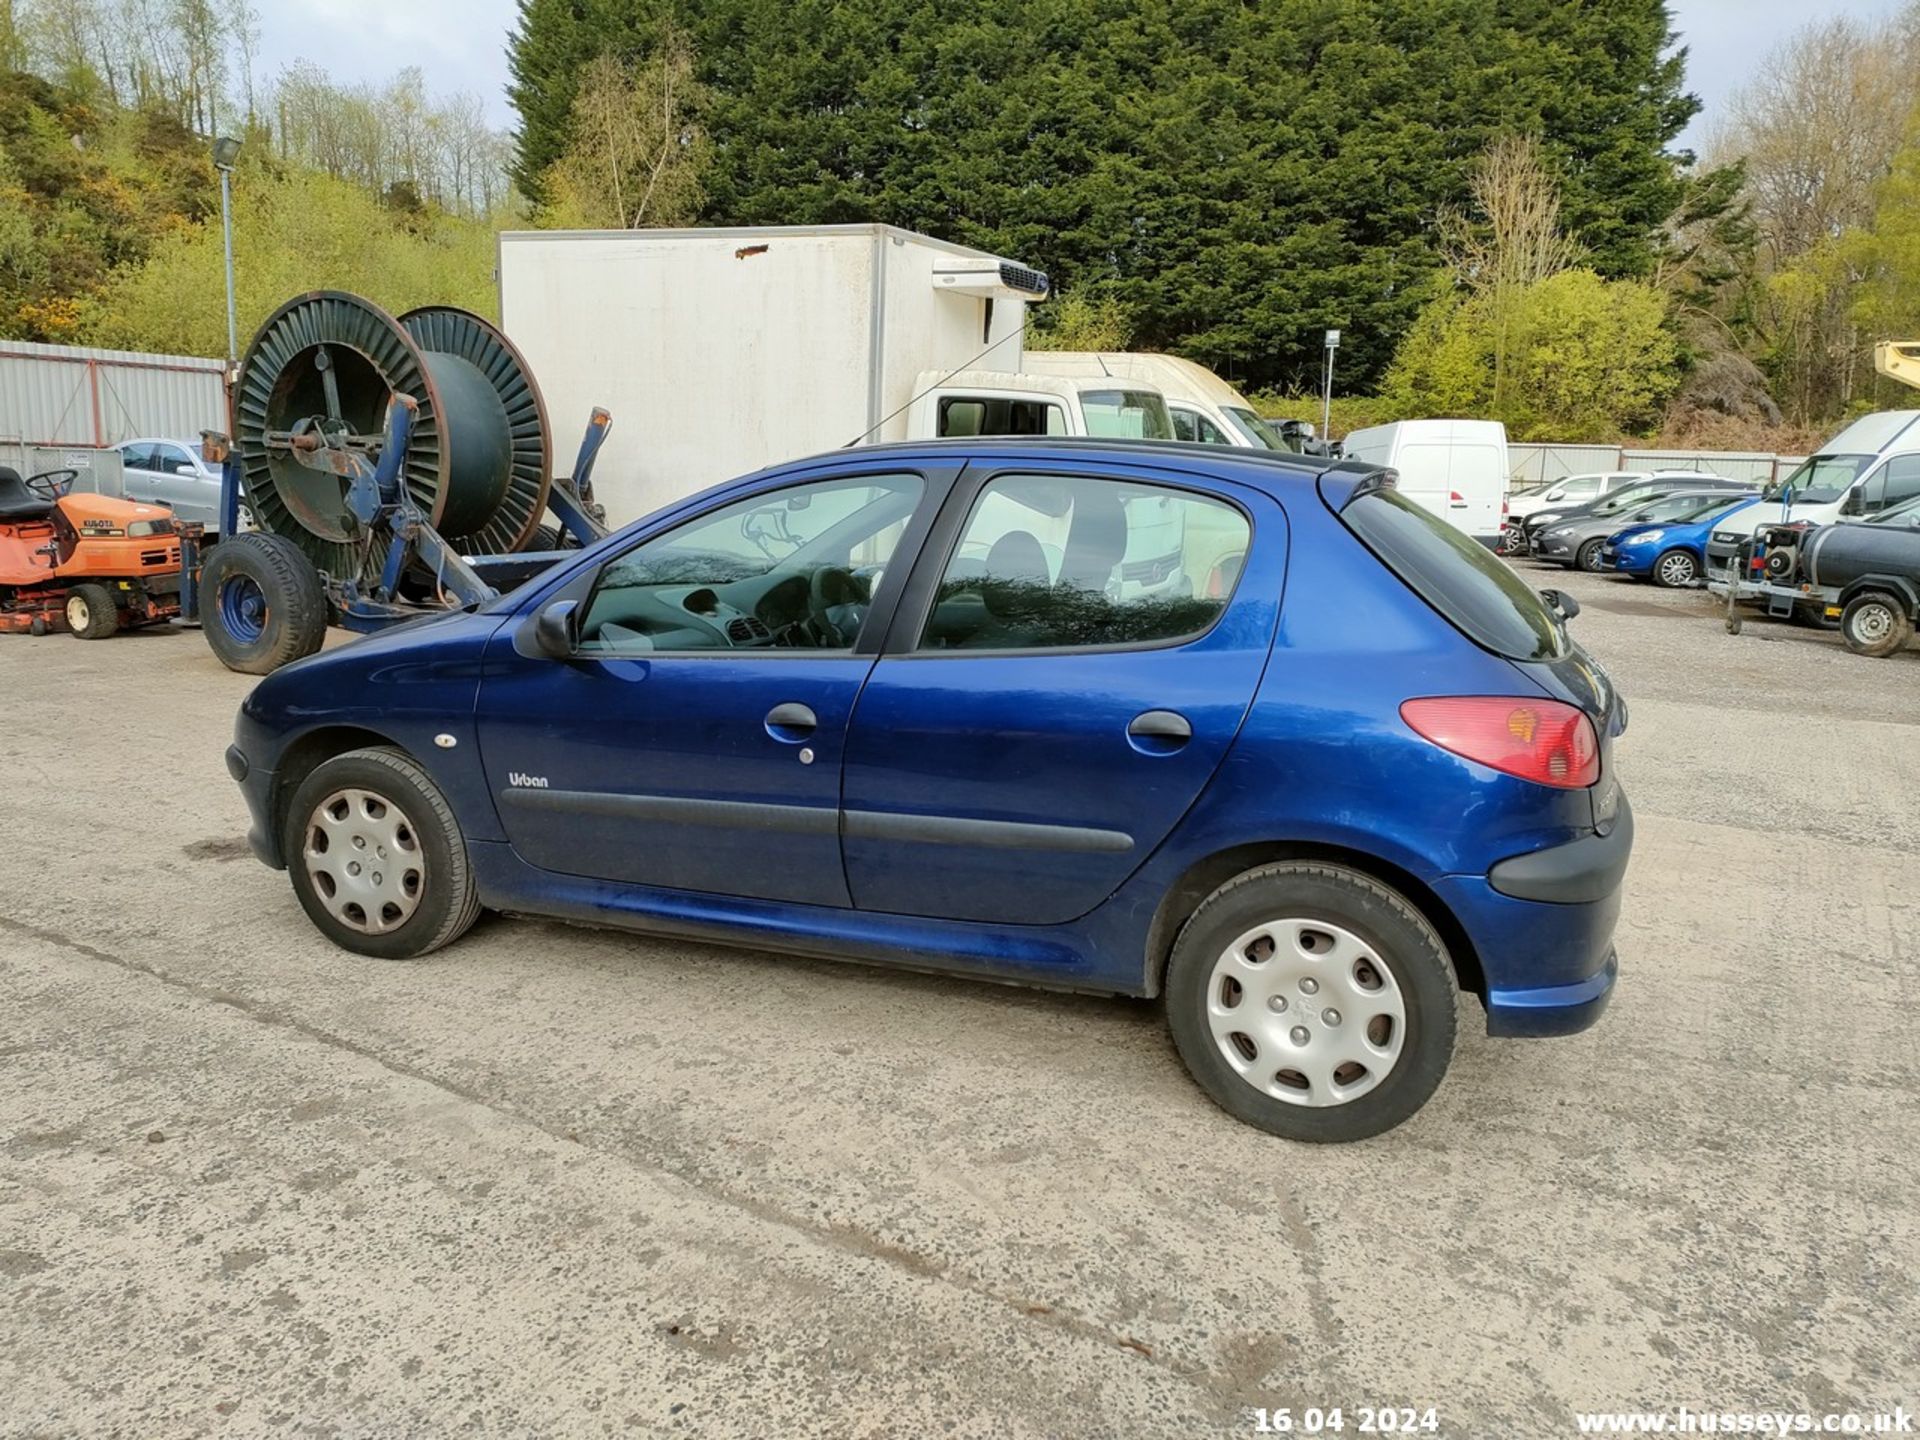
(1306, 1012)
(364, 861)
(1872, 623)
(1676, 569)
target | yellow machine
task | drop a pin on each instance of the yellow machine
(1898, 360)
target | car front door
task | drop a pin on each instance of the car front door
(693, 739)
(1033, 730)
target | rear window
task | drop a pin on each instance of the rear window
(1456, 575)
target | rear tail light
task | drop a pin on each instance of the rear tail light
(1540, 740)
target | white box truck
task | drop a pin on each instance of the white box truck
(1455, 468)
(722, 351)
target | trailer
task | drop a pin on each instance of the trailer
(388, 467)
(724, 351)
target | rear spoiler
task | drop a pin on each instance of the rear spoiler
(1342, 484)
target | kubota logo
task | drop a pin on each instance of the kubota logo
(526, 782)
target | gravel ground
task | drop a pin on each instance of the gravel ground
(557, 1181)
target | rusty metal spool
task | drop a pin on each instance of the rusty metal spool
(480, 462)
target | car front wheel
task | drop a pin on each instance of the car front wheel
(1588, 557)
(1676, 569)
(377, 858)
(1312, 1001)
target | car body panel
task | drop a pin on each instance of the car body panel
(173, 473)
(1631, 552)
(1314, 759)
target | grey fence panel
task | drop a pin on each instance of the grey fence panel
(1733, 464)
(1535, 464)
(55, 395)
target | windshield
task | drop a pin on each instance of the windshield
(1253, 428)
(1719, 505)
(1628, 498)
(1456, 575)
(1128, 414)
(1820, 479)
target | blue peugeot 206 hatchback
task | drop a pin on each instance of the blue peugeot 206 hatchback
(1250, 733)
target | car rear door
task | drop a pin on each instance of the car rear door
(1033, 731)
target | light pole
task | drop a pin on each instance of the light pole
(1326, 400)
(226, 150)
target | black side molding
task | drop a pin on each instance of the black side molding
(1577, 873)
(730, 814)
(990, 834)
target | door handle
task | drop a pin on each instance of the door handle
(792, 722)
(1158, 732)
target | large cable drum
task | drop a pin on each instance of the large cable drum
(480, 461)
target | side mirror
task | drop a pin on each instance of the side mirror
(555, 630)
(1853, 504)
(1561, 603)
(1643, 515)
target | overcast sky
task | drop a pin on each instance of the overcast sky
(461, 44)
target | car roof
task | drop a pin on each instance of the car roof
(1281, 472)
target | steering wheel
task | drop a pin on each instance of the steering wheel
(52, 484)
(830, 585)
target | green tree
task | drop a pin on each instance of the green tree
(636, 152)
(1081, 322)
(1237, 176)
(1589, 359)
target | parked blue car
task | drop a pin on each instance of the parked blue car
(1672, 553)
(896, 704)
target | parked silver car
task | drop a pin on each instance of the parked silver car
(172, 473)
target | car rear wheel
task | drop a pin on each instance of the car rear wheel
(91, 612)
(377, 858)
(1875, 624)
(1675, 569)
(1312, 1001)
(1588, 556)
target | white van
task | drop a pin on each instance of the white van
(1872, 464)
(1455, 468)
(999, 402)
(1204, 408)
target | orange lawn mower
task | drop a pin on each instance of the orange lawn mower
(87, 564)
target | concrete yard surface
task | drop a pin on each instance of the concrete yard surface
(554, 1181)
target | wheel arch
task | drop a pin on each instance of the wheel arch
(1206, 875)
(1898, 586)
(313, 748)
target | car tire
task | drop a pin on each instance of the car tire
(1399, 1033)
(91, 612)
(261, 603)
(1587, 557)
(549, 537)
(1875, 624)
(376, 807)
(1675, 569)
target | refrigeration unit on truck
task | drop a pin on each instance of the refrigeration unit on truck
(722, 351)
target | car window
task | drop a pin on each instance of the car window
(1820, 479)
(1898, 481)
(1128, 414)
(170, 459)
(136, 456)
(1581, 487)
(1456, 575)
(966, 415)
(787, 569)
(1254, 428)
(1050, 562)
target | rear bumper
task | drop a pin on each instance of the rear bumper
(1542, 926)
